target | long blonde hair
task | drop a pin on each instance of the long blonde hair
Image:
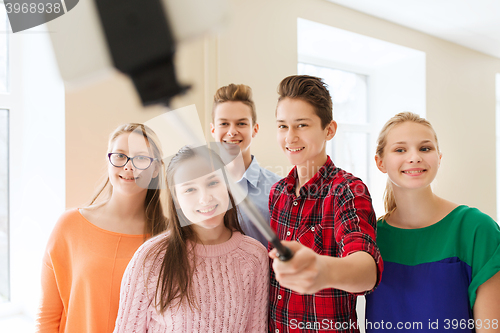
(155, 219)
(389, 199)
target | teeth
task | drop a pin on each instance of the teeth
(207, 210)
(234, 142)
(294, 150)
(416, 171)
(128, 178)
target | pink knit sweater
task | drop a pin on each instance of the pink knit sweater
(231, 286)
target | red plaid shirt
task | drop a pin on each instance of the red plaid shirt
(333, 215)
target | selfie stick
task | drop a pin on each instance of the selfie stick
(283, 252)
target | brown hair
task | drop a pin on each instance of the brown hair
(155, 219)
(235, 93)
(389, 199)
(310, 89)
(176, 270)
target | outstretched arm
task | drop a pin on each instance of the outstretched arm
(308, 272)
(51, 306)
(487, 306)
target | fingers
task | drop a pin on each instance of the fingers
(300, 273)
(293, 246)
(301, 259)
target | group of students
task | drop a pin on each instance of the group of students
(133, 261)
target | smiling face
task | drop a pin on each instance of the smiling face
(200, 194)
(300, 133)
(410, 158)
(128, 179)
(233, 127)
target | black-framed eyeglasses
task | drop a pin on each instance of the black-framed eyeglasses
(140, 162)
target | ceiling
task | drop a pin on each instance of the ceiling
(472, 23)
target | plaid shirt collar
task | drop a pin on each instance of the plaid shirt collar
(320, 178)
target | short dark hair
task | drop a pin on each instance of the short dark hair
(235, 93)
(310, 89)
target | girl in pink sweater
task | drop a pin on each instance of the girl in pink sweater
(203, 274)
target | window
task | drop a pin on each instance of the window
(4, 50)
(4, 206)
(4, 162)
(32, 198)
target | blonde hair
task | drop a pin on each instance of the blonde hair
(235, 93)
(400, 118)
(155, 219)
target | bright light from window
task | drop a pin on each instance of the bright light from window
(4, 50)
(4, 206)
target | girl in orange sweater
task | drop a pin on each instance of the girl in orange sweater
(90, 247)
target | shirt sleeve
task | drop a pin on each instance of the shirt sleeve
(51, 306)
(132, 313)
(484, 239)
(258, 321)
(355, 223)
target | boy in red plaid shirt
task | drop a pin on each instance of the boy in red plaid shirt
(324, 215)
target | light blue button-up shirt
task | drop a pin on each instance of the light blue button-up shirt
(257, 182)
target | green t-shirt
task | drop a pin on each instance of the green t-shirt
(433, 273)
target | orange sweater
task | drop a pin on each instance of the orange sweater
(81, 276)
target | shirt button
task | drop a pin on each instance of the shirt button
(295, 203)
(279, 296)
(288, 233)
(312, 229)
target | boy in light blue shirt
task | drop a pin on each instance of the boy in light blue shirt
(234, 125)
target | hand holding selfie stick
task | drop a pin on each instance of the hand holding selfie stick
(283, 252)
